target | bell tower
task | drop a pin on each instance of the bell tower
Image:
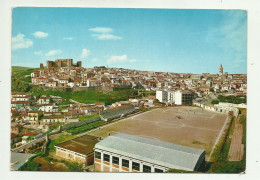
(220, 70)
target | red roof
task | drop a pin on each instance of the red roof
(13, 135)
(30, 134)
(100, 103)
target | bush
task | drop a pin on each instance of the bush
(73, 166)
(30, 165)
(232, 99)
(214, 101)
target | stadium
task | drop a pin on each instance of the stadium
(184, 125)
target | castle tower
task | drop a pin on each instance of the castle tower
(220, 70)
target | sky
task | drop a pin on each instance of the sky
(168, 40)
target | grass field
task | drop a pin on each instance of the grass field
(189, 126)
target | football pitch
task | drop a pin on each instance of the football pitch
(188, 126)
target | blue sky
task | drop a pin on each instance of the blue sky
(181, 41)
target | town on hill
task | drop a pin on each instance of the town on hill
(65, 117)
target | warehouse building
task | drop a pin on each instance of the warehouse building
(79, 149)
(128, 153)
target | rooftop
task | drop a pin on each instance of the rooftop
(157, 152)
(83, 144)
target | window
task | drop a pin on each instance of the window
(136, 166)
(97, 155)
(106, 158)
(115, 160)
(158, 170)
(125, 163)
(146, 168)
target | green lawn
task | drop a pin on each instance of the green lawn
(85, 117)
(62, 138)
(90, 96)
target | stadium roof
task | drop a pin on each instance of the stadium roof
(161, 153)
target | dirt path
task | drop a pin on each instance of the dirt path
(236, 150)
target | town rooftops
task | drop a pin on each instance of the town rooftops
(82, 145)
(153, 151)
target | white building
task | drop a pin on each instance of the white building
(162, 96)
(128, 153)
(183, 98)
(178, 97)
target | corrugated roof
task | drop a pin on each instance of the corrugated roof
(157, 152)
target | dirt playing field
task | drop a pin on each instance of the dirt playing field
(189, 126)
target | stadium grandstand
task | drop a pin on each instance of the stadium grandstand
(117, 112)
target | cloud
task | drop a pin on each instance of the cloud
(120, 59)
(85, 53)
(68, 38)
(106, 36)
(104, 33)
(53, 53)
(39, 34)
(20, 42)
(103, 30)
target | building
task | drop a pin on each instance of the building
(220, 70)
(63, 63)
(128, 153)
(162, 96)
(80, 149)
(33, 117)
(183, 98)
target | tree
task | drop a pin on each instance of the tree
(215, 101)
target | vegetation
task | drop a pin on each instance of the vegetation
(147, 93)
(232, 99)
(73, 166)
(86, 127)
(214, 101)
(85, 117)
(21, 78)
(180, 171)
(66, 102)
(222, 165)
(143, 109)
(52, 128)
(31, 165)
(90, 96)
(62, 138)
(218, 149)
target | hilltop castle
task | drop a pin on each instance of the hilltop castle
(63, 63)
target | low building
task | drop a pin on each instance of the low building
(128, 153)
(54, 119)
(28, 137)
(33, 117)
(80, 149)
